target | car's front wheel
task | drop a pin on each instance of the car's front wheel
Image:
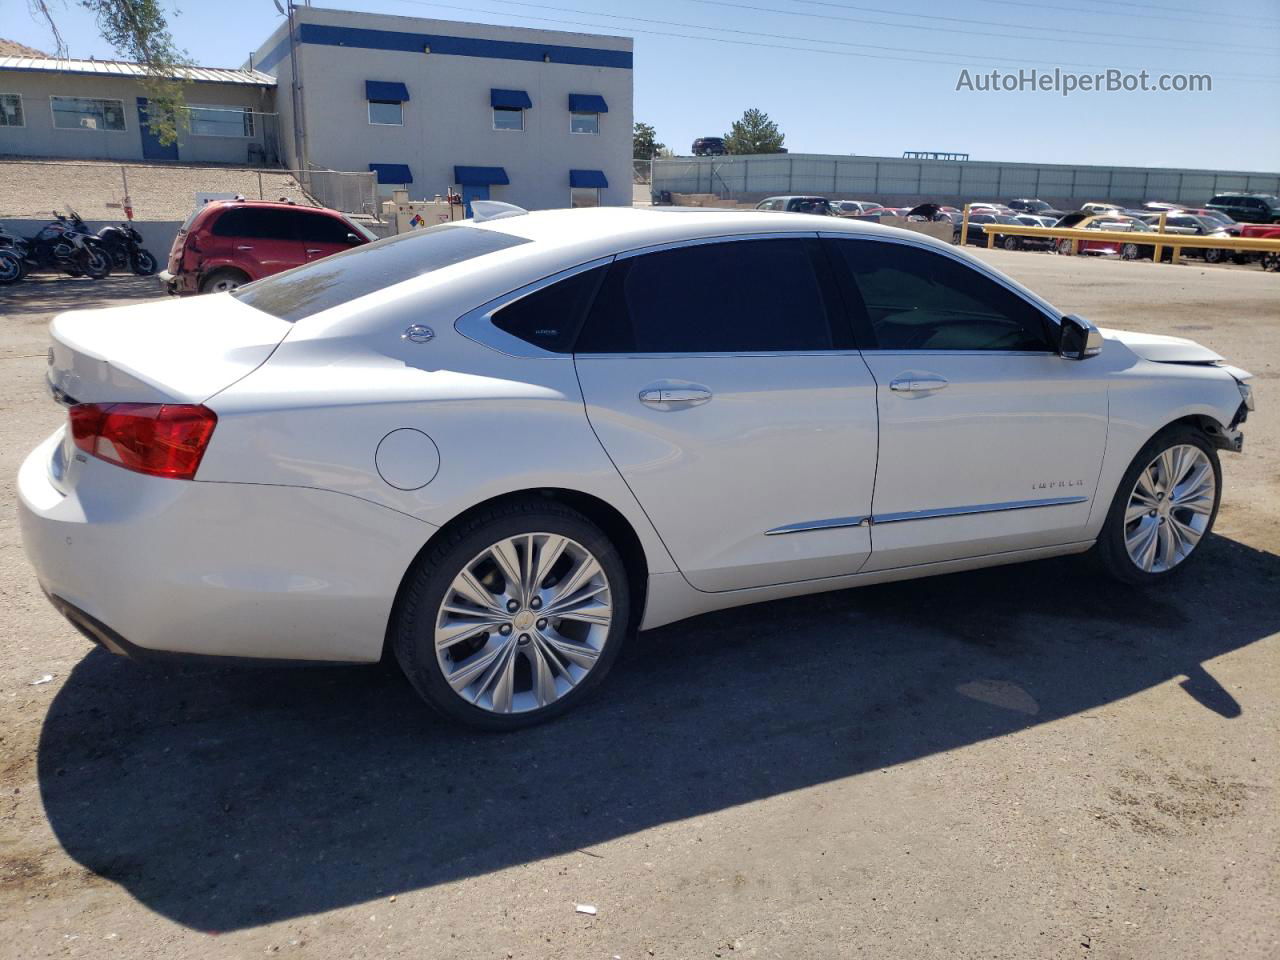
(514, 616)
(1164, 508)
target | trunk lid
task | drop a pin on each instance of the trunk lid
(162, 352)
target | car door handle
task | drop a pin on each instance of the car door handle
(688, 395)
(244, 247)
(921, 384)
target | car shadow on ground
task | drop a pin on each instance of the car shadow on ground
(46, 294)
(230, 798)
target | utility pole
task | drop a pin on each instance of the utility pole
(299, 124)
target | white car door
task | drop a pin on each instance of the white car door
(741, 418)
(989, 440)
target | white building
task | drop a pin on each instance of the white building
(539, 118)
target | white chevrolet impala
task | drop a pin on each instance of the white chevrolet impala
(496, 448)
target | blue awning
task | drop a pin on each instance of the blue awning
(392, 172)
(480, 176)
(587, 103)
(513, 99)
(587, 178)
(383, 90)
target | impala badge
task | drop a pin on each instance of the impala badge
(418, 333)
(1056, 484)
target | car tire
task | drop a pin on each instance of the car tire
(1147, 536)
(1129, 251)
(459, 619)
(1011, 243)
(1063, 247)
(221, 281)
(1271, 261)
(1215, 256)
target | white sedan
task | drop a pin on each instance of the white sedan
(496, 448)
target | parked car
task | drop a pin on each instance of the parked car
(818, 205)
(1190, 225)
(1270, 259)
(854, 208)
(1030, 243)
(1100, 207)
(1218, 217)
(1135, 249)
(497, 447)
(709, 147)
(893, 211)
(227, 243)
(976, 234)
(1038, 208)
(1248, 207)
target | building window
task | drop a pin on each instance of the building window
(508, 118)
(221, 121)
(11, 110)
(84, 113)
(584, 196)
(584, 122)
(386, 113)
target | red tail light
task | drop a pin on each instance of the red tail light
(161, 439)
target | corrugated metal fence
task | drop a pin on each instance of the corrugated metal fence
(894, 180)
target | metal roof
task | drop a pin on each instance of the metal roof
(124, 68)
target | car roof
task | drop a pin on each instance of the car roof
(591, 233)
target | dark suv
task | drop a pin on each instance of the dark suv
(709, 147)
(229, 242)
(1247, 207)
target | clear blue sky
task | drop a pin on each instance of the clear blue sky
(848, 76)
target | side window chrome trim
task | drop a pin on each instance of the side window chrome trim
(1043, 306)
(728, 238)
(477, 325)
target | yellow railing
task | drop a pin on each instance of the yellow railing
(1158, 240)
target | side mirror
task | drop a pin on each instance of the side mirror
(1078, 339)
(353, 239)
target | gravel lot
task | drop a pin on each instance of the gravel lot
(1024, 762)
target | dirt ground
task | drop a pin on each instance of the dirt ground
(1024, 762)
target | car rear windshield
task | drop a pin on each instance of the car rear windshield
(353, 273)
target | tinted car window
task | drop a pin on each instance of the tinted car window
(742, 296)
(318, 227)
(353, 273)
(915, 299)
(550, 318)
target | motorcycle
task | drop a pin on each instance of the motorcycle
(124, 245)
(61, 248)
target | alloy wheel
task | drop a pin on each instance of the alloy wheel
(523, 623)
(1169, 508)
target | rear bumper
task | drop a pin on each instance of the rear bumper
(214, 569)
(177, 285)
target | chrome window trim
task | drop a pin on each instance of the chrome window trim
(477, 325)
(1008, 505)
(1042, 305)
(835, 523)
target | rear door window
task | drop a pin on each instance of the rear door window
(353, 273)
(744, 296)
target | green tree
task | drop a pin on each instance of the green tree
(754, 133)
(644, 142)
(139, 31)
